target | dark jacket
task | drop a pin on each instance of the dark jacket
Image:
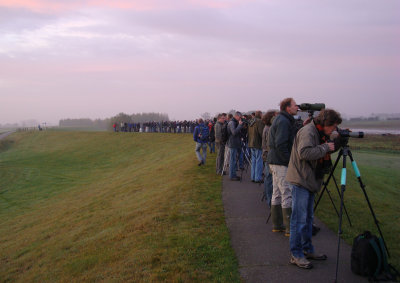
(234, 129)
(212, 132)
(280, 139)
(306, 152)
(255, 131)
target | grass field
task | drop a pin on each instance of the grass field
(378, 159)
(384, 124)
(98, 206)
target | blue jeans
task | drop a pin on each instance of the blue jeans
(268, 187)
(256, 164)
(301, 221)
(241, 157)
(212, 147)
(201, 157)
(233, 162)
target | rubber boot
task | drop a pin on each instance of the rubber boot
(276, 215)
(287, 213)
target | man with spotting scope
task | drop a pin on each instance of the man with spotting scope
(305, 174)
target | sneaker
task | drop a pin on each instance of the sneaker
(315, 256)
(201, 163)
(301, 262)
(235, 179)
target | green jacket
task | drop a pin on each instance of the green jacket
(255, 131)
(306, 152)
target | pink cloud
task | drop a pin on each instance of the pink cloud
(139, 5)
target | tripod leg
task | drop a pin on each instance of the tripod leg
(269, 216)
(344, 206)
(333, 203)
(329, 177)
(357, 172)
(343, 188)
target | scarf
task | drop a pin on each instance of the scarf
(324, 163)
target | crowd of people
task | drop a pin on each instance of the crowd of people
(156, 127)
(288, 157)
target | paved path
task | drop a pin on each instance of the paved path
(264, 256)
(3, 135)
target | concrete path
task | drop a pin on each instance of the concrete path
(264, 256)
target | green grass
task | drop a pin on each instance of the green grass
(101, 206)
(378, 159)
(376, 144)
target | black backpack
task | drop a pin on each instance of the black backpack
(224, 133)
(369, 258)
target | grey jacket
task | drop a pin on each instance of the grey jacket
(306, 152)
(280, 139)
(234, 129)
(218, 133)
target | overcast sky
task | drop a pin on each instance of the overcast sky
(97, 58)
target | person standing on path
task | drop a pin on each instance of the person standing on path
(234, 143)
(255, 131)
(305, 173)
(280, 141)
(267, 120)
(219, 142)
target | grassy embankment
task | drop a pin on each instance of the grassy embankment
(110, 206)
(378, 159)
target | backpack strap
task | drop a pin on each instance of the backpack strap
(384, 255)
(378, 255)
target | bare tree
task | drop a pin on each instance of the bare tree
(206, 116)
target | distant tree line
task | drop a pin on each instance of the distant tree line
(106, 124)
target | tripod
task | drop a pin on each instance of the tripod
(246, 159)
(325, 189)
(345, 152)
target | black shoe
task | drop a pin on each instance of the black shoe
(253, 181)
(259, 182)
(201, 163)
(235, 179)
